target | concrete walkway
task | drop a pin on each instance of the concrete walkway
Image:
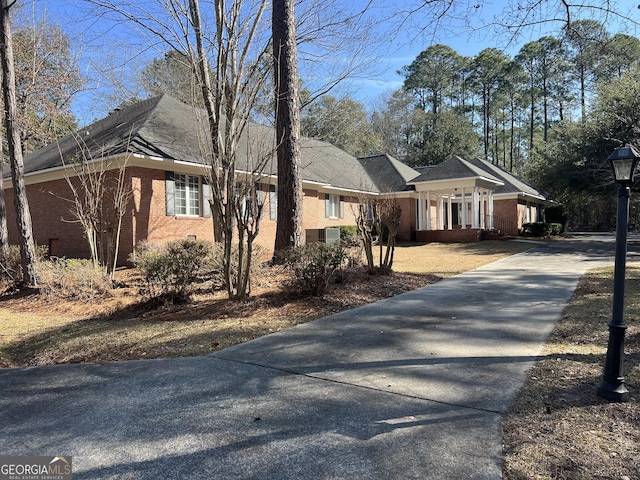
(413, 387)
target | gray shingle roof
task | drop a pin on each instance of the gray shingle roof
(451, 169)
(388, 174)
(160, 127)
(512, 183)
(166, 128)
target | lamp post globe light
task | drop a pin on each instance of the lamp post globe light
(623, 161)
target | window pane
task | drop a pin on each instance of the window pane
(334, 206)
(180, 195)
(194, 196)
(187, 195)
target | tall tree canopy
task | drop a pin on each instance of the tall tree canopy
(171, 74)
(47, 78)
(342, 122)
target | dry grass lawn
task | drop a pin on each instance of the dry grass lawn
(558, 428)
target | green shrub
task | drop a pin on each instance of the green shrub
(315, 266)
(556, 214)
(71, 278)
(170, 269)
(541, 229)
(349, 234)
(556, 228)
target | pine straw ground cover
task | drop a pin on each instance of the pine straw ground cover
(122, 325)
(558, 428)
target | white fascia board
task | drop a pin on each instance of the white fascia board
(453, 183)
(403, 194)
(517, 195)
(159, 163)
(63, 171)
(327, 188)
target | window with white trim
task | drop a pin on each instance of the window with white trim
(186, 195)
(333, 206)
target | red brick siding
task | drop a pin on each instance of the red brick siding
(506, 216)
(146, 218)
(149, 219)
(408, 227)
(313, 211)
(446, 236)
(50, 206)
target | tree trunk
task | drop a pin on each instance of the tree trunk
(23, 216)
(289, 219)
(532, 115)
(4, 233)
(545, 111)
(583, 94)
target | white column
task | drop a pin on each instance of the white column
(449, 214)
(429, 226)
(483, 201)
(475, 223)
(491, 223)
(439, 212)
(464, 210)
(420, 212)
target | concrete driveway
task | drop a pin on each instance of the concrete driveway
(412, 387)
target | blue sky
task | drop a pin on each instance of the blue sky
(470, 34)
(466, 28)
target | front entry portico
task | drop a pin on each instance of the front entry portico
(454, 196)
(446, 210)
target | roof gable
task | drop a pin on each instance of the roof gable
(453, 169)
(512, 183)
(387, 173)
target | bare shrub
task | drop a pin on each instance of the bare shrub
(72, 278)
(217, 275)
(10, 263)
(170, 269)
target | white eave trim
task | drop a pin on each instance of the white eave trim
(453, 185)
(516, 195)
(159, 163)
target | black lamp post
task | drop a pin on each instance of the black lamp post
(624, 161)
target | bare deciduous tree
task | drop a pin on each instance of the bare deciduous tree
(226, 52)
(373, 216)
(4, 231)
(101, 195)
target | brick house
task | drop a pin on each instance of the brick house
(160, 140)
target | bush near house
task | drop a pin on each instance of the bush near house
(72, 278)
(541, 229)
(315, 266)
(349, 234)
(10, 266)
(170, 269)
(556, 214)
